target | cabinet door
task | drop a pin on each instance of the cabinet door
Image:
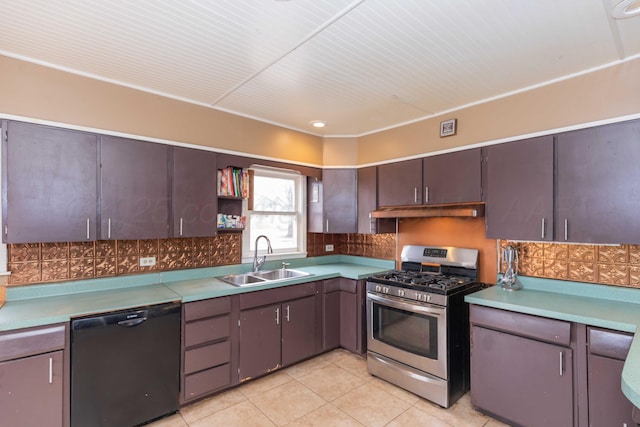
(331, 320)
(50, 184)
(597, 194)
(315, 210)
(339, 200)
(400, 183)
(349, 321)
(194, 193)
(298, 330)
(368, 202)
(519, 202)
(135, 189)
(520, 380)
(453, 177)
(259, 341)
(608, 406)
(31, 391)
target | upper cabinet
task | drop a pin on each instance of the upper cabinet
(49, 184)
(368, 202)
(519, 200)
(453, 177)
(194, 193)
(134, 189)
(339, 200)
(332, 202)
(597, 192)
(400, 183)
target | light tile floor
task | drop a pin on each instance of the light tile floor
(333, 389)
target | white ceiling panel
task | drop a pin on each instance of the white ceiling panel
(360, 65)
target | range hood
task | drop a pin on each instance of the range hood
(468, 210)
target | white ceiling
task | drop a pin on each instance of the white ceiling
(361, 66)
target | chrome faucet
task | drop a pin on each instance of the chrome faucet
(257, 263)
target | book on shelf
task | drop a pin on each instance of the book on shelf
(233, 182)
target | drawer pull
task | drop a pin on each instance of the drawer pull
(561, 363)
(51, 370)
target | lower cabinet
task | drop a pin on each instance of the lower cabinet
(343, 315)
(533, 371)
(521, 367)
(277, 328)
(608, 406)
(33, 376)
(208, 347)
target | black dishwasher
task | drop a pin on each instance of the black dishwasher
(125, 366)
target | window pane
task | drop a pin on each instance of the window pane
(273, 194)
(280, 229)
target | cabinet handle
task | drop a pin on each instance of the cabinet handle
(287, 308)
(415, 195)
(426, 194)
(542, 235)
(181, 226)
(277, 315)
(51, 370)
(327, 225)
(566, 229)
(370, 224)
(109, 228)
(88, 234)
(561, 363)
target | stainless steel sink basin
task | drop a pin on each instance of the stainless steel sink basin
(255, 278)
(280, 274)
(241, 279)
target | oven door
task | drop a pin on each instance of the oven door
(409, 332)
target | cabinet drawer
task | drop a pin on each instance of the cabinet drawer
(208, 356)
(609, 343)
(205, 330)
(330, 285)
(207, 381)
(526, 325)
(27, 342)
(348, 285)
(206, 308)
(273, 296)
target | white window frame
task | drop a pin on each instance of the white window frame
(301, 214)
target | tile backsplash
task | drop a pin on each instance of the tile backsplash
(55, 262)
(610, 265)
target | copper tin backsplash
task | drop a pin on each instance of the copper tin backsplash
(609, 265)
(54, 262)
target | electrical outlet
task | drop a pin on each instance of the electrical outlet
(328, 248)
(149, 261)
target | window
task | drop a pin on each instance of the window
(279, 212)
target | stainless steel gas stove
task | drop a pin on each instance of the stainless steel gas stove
(418, 322)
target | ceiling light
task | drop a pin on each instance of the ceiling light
(318, 123)
(626, 9)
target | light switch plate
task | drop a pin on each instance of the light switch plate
(149, 261)
(328, 248)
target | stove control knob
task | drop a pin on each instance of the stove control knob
(418, 296)
(428, 298)
(378, 288)
(385, 289)
(401, 292)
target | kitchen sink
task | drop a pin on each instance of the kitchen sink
(258, 277)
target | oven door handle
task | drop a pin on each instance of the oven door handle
(402, 305)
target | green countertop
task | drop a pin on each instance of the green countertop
(591, 304)
(38, 305)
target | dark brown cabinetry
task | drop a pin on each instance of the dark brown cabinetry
(209, 343)
(49, 184)
(452, 177)
(194, 193)
(522, 367)
(33, 377)
(277, 328)
(368, 202)
(343, 315)
(339, 195)
(400, 183)
(519, 200)
(134, 186)
(608, 406)
(597, 194)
